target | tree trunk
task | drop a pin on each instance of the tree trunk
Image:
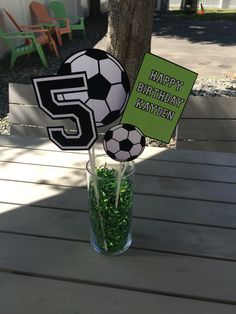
(182, 4)
(129, 32)
(94, 8)
(165, 6)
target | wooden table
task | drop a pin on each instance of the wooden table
(183, 254)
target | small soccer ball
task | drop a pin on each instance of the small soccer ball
(108, 84)
(124, 142)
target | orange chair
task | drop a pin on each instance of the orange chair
(44, 37)
(52, 23)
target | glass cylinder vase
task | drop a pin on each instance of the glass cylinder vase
(110, 194)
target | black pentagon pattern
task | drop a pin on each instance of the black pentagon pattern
(142, 142)
(125, 82)
(98, 87)
(65, 68)
(129, 127)
(126, 145)
(96, 54)
(111, 117)
(108, 135)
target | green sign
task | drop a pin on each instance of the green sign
(158, 97)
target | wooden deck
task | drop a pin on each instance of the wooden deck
(183, 256)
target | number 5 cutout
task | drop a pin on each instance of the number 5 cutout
(51, 96)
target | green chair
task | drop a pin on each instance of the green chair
(9, 38)
(59, 11)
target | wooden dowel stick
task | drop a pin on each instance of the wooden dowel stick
(94, 176)
(118, 184)
(119, 177)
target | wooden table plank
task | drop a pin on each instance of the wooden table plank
(42, 157)
(191, 189)
(151, 185)
(186, 171)
(207, 279)
(27, 193)
(205, 107)
(57, 297)
(156, 153)
(147, 234)
(184, 210)
(205, 129)
(22, 158)
(159, 207)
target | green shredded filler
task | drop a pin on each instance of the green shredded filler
(110, 225)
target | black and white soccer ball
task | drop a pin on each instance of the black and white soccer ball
(108, 83)
(124, 142)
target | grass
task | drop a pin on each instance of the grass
(210, 15)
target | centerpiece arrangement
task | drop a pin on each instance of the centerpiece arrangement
(92, 89)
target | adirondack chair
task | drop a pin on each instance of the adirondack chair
(43, 35)
(9, 38)
(59, 11)
(52, 23)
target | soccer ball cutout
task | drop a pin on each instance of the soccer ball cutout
(124, 142)
(108, 84)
